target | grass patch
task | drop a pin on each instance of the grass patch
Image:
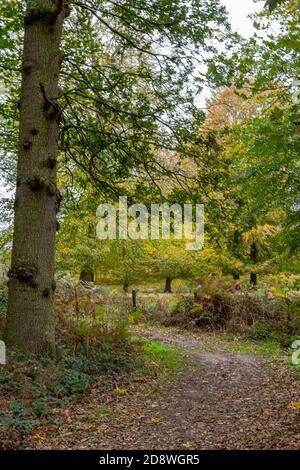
(103, 410)
(261, 348)
(161, 355)
(294, 367)
(157, 360)
(219, 341)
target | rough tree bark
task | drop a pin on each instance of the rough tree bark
(30, 321)
(168, 288)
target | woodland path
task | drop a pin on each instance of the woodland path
(219, 400)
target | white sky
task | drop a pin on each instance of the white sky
(238, 12)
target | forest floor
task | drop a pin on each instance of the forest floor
(220, 398)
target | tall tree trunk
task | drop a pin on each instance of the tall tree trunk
(30, 321)
(168, 288)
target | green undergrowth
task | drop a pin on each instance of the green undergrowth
(34, 392)
(246, 346)
(221, 341)
(295, 368)
(158, 359)
(94, 349)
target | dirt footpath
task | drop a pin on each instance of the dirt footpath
(219, 401)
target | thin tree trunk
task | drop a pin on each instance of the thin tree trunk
(254, 259)
(30, 321)
(126, 283)
(168, 288)
(133, 299)
(87, 275)
(253, 278)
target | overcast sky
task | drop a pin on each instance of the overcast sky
(238, 13)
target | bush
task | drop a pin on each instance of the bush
(159, 309)
(253, 314)
(87, 315)
(73, 382)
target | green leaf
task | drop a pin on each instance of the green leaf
(272, 4)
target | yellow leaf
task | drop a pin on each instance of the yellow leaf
(295, 405)
(121, 391)
(188, 445)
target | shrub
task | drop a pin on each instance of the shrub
(87, 315)
(73, 382)
(254, 314)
